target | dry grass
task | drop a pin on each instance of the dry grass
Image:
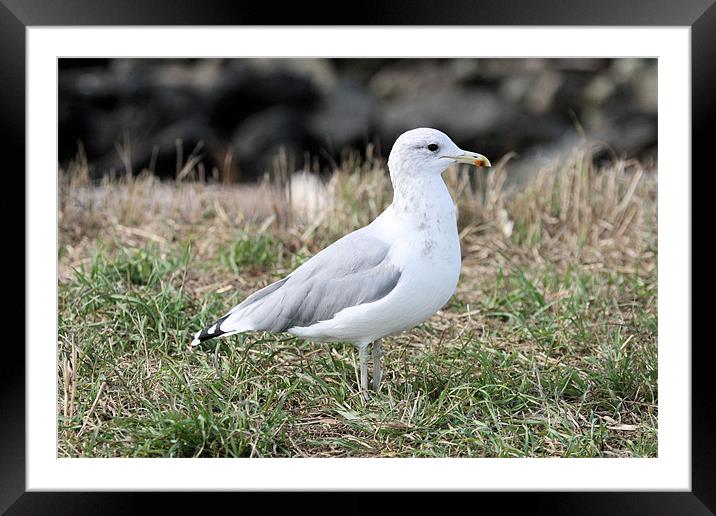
(548, 347)
(570, 211)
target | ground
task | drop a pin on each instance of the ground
(547, 349)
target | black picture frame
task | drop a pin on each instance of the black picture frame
(17, 15)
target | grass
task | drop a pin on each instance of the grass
(547, 349)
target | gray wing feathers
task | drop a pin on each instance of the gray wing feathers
(352, 271)
(258, 295)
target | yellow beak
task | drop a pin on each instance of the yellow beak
(471, 158)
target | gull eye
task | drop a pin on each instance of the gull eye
(432, 147)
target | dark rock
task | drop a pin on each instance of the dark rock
(249, 109)
(626, 134)
(166, 152)
(344, 118)
(243, 93)
(257, 141)
(461, 112)
(407, 78)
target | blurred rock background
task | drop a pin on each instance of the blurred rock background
(239, 115)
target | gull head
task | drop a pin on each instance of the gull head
(426, 151)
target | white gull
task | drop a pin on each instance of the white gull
(384, 278)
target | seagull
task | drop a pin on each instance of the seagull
(386, 277)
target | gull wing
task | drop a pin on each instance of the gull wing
(352, 271)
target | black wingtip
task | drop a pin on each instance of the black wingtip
(204, 334)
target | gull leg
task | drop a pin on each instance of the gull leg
(363, 350)
(377, 373)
